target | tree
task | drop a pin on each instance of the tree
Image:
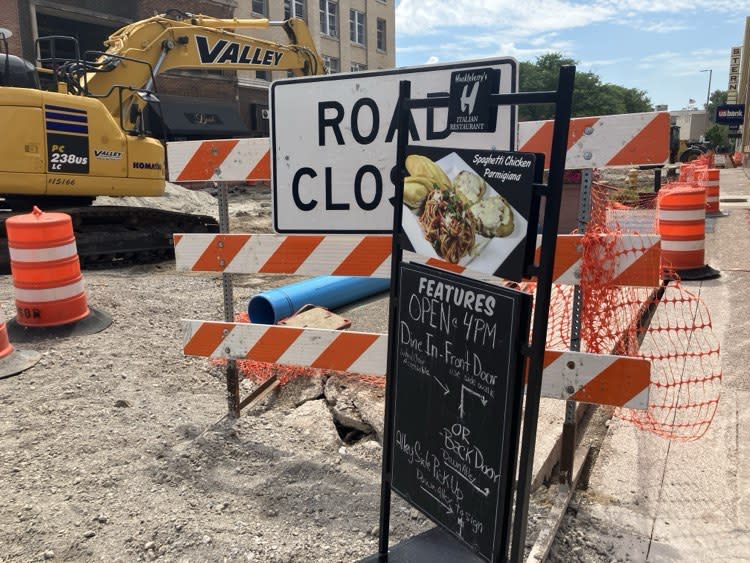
(717, 137)
(590, 95)
(717, 98)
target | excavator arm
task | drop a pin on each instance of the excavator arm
(139, 52)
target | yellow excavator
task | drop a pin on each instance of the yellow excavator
(88, 138)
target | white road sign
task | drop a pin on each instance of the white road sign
(333, 141)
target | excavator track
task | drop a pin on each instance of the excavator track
(115, 236)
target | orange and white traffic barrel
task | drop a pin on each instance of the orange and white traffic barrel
(682, 227)
(47, 281)
(13, 361)
(708, 178)
(687, 171)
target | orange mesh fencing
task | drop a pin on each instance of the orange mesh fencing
(677, 337)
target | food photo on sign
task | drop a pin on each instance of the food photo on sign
(469, 207)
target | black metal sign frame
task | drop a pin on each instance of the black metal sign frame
(551, 193)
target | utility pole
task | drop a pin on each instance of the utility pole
(708, 93)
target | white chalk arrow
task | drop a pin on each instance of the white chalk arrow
(448, 509)
(461, 404)
(442, 385)
(485, 491)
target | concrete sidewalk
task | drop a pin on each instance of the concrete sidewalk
(650, 499)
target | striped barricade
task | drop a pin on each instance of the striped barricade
(369, 255)
(590, 378)
(224, 160)
(594, 142)
(607, 141)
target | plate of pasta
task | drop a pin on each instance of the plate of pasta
(452, 213)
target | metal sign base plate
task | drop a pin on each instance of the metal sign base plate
(433, 546)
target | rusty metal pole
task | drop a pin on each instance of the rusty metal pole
(570, 426)
(233, 380)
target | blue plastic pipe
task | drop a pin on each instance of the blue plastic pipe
(330, 292)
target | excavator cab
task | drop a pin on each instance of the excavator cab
(70, 75)
(15, 71)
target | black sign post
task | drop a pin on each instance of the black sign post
(452, 405)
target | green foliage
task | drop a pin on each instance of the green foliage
(718, 98)
(590, 97)
(718, 137)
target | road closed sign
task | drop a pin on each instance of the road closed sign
(333, 140)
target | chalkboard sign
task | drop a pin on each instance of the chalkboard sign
(458, 387)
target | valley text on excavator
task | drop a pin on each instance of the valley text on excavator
(63, 148)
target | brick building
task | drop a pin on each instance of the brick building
(349, 34)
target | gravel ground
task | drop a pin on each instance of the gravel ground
(116, 447)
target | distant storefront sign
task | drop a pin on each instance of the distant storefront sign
(730, 114)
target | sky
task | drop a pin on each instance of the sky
(659, 46)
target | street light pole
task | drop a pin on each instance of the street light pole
(708, 94)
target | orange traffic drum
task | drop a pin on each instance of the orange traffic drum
(682, 226)
(708, 178)
(47, 280)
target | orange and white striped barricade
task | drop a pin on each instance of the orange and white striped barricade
(593, 378)
(637, 263)
(709, 179)
(604, 142)
(223, 160)
(47, 280)
(682, 227)
(637, 259)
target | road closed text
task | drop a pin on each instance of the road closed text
(313, 187)
(334, 138)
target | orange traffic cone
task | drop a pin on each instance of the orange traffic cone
(14, 361)
(47, 280)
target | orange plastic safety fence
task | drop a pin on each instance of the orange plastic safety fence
(677, 338)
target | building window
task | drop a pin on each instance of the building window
(259, 7)
(294, 9)
(357, 28)
(329, 24)
(358, 67)
(263, 75)
(331, 64)
(381, 34)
